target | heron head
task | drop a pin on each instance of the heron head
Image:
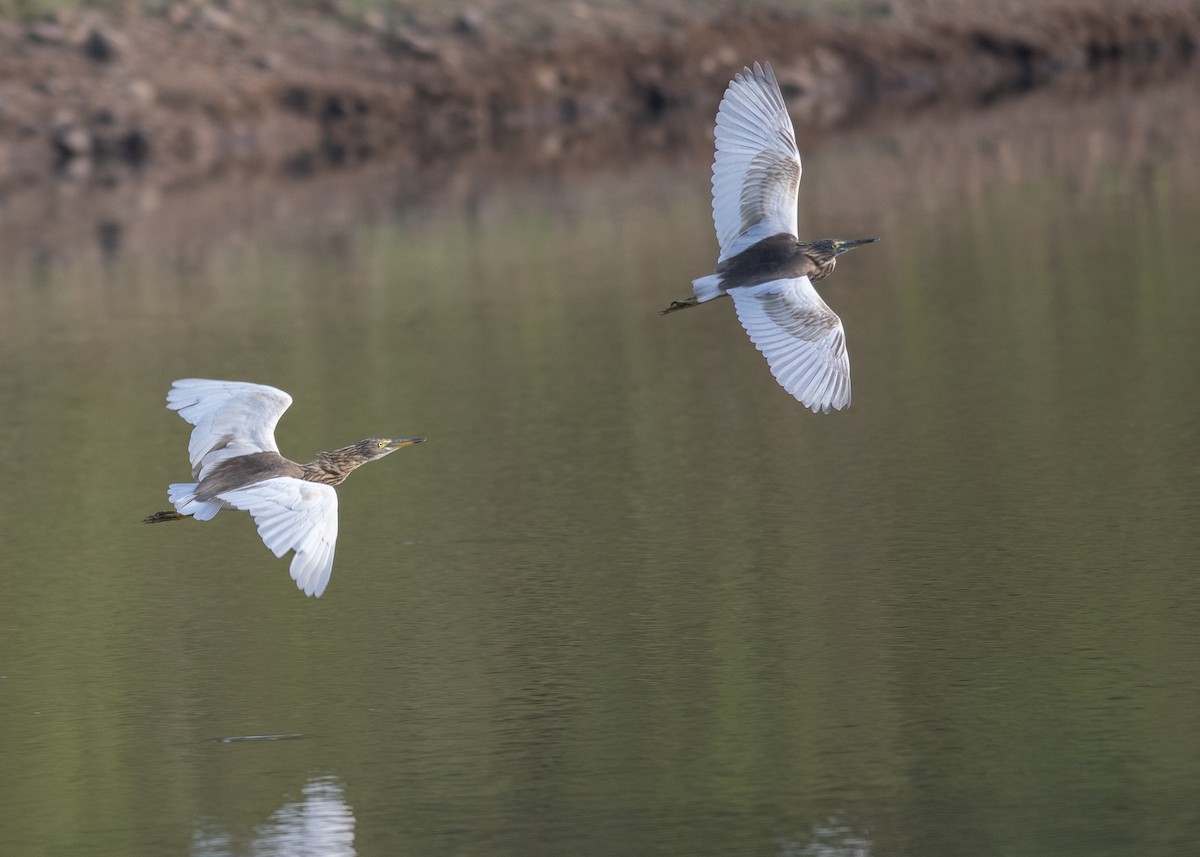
(840, 245)
(827, 249)
(378, 447)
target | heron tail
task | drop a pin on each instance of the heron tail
(707, 288)
(183, 497)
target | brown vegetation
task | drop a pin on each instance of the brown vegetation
(183, 89)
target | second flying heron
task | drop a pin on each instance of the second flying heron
(763, 266)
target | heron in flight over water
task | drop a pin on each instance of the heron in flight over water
(763, 266)
(237, 465)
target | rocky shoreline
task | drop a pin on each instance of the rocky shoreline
(182, 90)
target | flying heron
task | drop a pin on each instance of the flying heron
(763, 266)
(237, 465)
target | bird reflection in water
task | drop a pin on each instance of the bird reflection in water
(320, 824)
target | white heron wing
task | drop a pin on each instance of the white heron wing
(756, 173)
(802, 339)
(294, 515)
(231, 418)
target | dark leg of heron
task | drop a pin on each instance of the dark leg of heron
(678, 305)
(159, 517)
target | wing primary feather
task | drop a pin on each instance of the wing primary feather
(801, 338)
(294, 515)
(752, 130)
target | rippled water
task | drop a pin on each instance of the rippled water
(630, 597)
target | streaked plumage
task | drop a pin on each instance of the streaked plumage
(236, 464)
(762, 265)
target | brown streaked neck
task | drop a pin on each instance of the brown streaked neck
(332, 468)
(821, 260)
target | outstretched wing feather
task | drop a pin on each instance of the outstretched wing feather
(801, 337)
(756, 172)
(231, 418)
(295, 515)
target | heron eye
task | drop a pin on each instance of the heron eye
(382, 444)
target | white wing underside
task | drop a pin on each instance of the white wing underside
(756, 173)
(802, 339)
(232, 418)
(295, 515)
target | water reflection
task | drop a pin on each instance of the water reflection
(834, 838)
(319, 824)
